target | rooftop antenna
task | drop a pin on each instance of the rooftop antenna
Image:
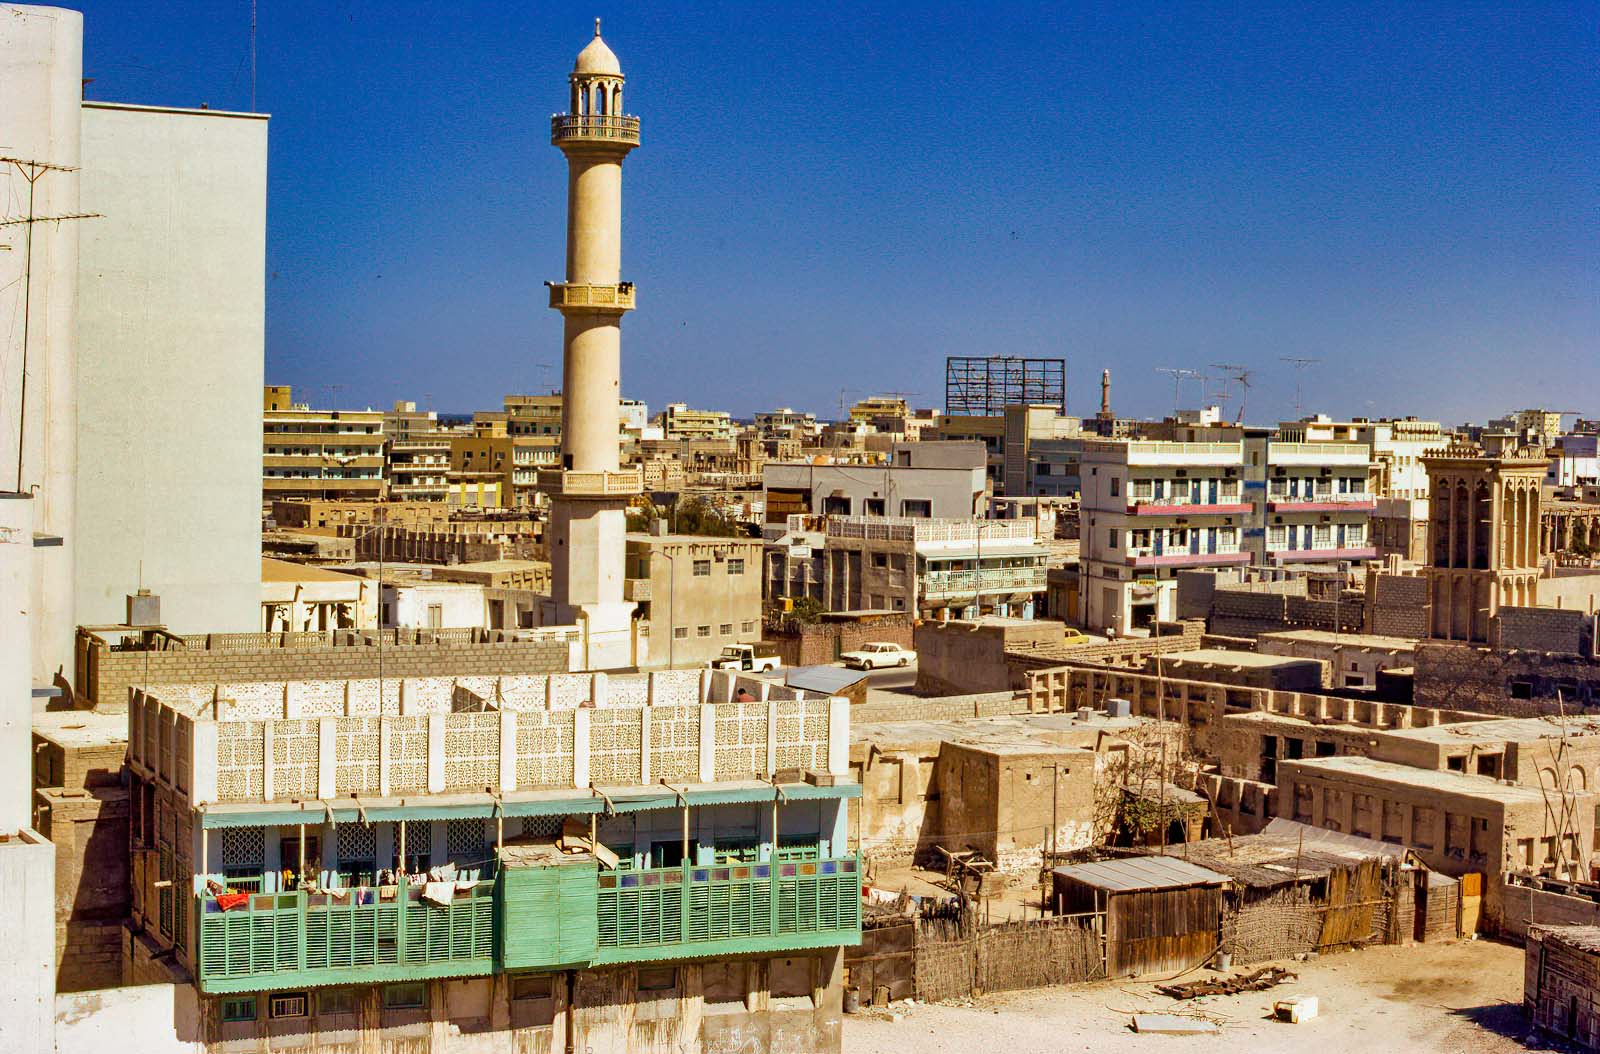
(252, 56)
(1239, 375)
(32, 171)
(1299, 365)
(1179, 375)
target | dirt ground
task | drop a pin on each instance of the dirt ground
(1464, 996)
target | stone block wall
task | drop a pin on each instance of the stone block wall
(816, 643)
(89, 830)
(1545, 629)
(107, 674)
(1397, 605)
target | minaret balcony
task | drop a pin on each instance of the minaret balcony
(572, 483)
(593, 127)
(575, 296)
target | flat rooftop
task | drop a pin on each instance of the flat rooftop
(288, 571)
(1459, 783)
(77, 729)
(1223, 657)
(1375, 641)
(1042, 731)
(495, 566)
(1503, 730)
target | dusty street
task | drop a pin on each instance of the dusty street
(1453, 997)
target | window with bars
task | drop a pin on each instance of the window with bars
(244, 851)
(465, 843)
(541, 826)
(358, 853)
(418, 845)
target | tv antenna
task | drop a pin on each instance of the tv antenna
(1299, 365)
(33, 172)
(1179, 375)
(1239, 375)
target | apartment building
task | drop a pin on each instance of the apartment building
(951, 568)
(537, 862)
(1054, 468)
(695, 594)
(917, 480)
(679, 421)
(786, 422)
(1398, 480)
(417, 451)
(1149, 509)
(310, 453)
(1311, 504)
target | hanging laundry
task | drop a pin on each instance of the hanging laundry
(440, 893)
(230, 901)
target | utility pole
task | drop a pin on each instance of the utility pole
(32, 171)
(1299, 365)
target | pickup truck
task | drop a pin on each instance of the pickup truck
(754, 658)
(879, 655)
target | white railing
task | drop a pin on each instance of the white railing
(999, 580)
(905, 528)
(1222, 498)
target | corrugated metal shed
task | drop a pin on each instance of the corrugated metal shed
(1141, 873)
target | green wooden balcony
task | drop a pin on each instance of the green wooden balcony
(683, 912)
(293, 940)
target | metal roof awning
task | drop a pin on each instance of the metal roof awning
(1138, 873)
(563, 802)
(824, 680)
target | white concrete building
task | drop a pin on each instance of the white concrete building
(1316, 505)
(920, 480)
(1149, 509)
(413, 603)
(171, 331)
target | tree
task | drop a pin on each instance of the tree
(694, 515)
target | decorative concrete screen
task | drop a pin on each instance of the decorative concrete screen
(592, 730)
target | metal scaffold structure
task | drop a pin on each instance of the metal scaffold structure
(985, 385)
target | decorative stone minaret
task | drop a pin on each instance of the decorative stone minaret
(1483, 537)
(590, 492)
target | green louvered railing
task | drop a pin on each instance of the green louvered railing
(287, 940)
(677, 912)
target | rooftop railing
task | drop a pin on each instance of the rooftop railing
(568, 126)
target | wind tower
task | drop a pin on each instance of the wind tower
(590, 491)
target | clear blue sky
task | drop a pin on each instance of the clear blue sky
(831, 196)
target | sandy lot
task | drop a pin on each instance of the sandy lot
(1452, 997)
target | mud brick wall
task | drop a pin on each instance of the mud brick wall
(1505, 683)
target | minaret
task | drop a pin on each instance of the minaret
(1105, 395)
(590, 491)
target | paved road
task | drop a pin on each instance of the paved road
(893, 678)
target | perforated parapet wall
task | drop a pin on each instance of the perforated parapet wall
(248, 744)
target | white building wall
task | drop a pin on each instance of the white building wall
(41, 70)
(171, 339)
(460, 606)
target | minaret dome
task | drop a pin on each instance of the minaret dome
(597, 79)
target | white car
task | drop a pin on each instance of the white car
(877, 656)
